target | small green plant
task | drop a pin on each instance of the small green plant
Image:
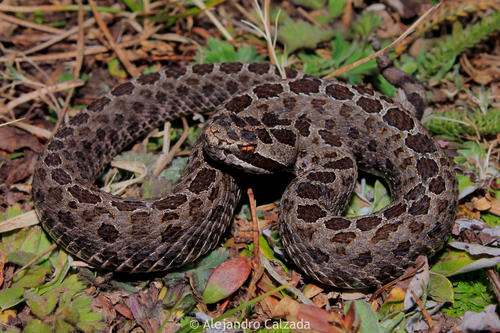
(470, 294)
(438, 61)
(222, 51)
(454, 124)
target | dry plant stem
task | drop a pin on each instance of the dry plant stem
(20, 221)
(282, 281)
(424, 310)
(165, 150)
(376, 54)
(255, 225)
(30, 25)
(244, 12)
(214, 20)
(174, 148)
(31, 262)
(44, 91)
(118, 50)
(311, 19)
(60, 37)
(409, 272)
(268, 25)
(35, 130)
(78, 65)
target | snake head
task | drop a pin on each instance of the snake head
(226, 140)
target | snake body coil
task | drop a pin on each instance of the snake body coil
(320, 130)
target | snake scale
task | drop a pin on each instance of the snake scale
(322, 131)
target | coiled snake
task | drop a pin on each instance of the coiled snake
(320, 130)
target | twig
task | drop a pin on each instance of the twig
(31, 262)
(282, 281)
(118, 50)
(58, 38)
(255, 225)
(424, 310)
(27, 24)
(174, 148)
(214, 20)
(78, 65)
(44, 91)
(376, 54)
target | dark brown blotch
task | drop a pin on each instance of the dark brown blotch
(437, 185)
(395, 211)
(427, 168)
(268, 90)
(262, 162)
(252, 121)
(368, 223)
(170, 216)
(202, 181)
(330, 138)
(310, 213)
(83, 195)
(420, 207)
(304, 86)
(339, 92)
(171, 202)
(53, 160)
(175, 72)
(203, 69)
(61, 177)
(362, 259)
(239, 103)
(415, 192)
(342, 164)
(150, 78)
(238, 121)
(420, 143)
(123, 89)
(402, 249)
(80, 119)
(259, 69)
(308, 191)
(263, 136)
(324, 177)
(337, 223)
(363, 90)
(344, 237)
(369, 105)
(55, 193)
(230, 67)
(171, 234)
(214, 193)
(108, 233)
(290, 103)
(128, 205)
(385, 231)
(302, 125)
(271, 120)
(284, 136)
(64, 132)
(99, 104)
(399, 119)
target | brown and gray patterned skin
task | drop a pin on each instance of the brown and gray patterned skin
(320, 130)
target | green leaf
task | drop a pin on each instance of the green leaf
(223, 51)
(10, 297)
(269, 253)
(366, 317)
(200, 270)
(37, 326)
(226, 279)
(302, 34)
(440, 288)
(31, 277)
(336, 7)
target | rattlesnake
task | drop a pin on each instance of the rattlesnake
(320, 130)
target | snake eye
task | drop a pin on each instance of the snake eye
(248, 148)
